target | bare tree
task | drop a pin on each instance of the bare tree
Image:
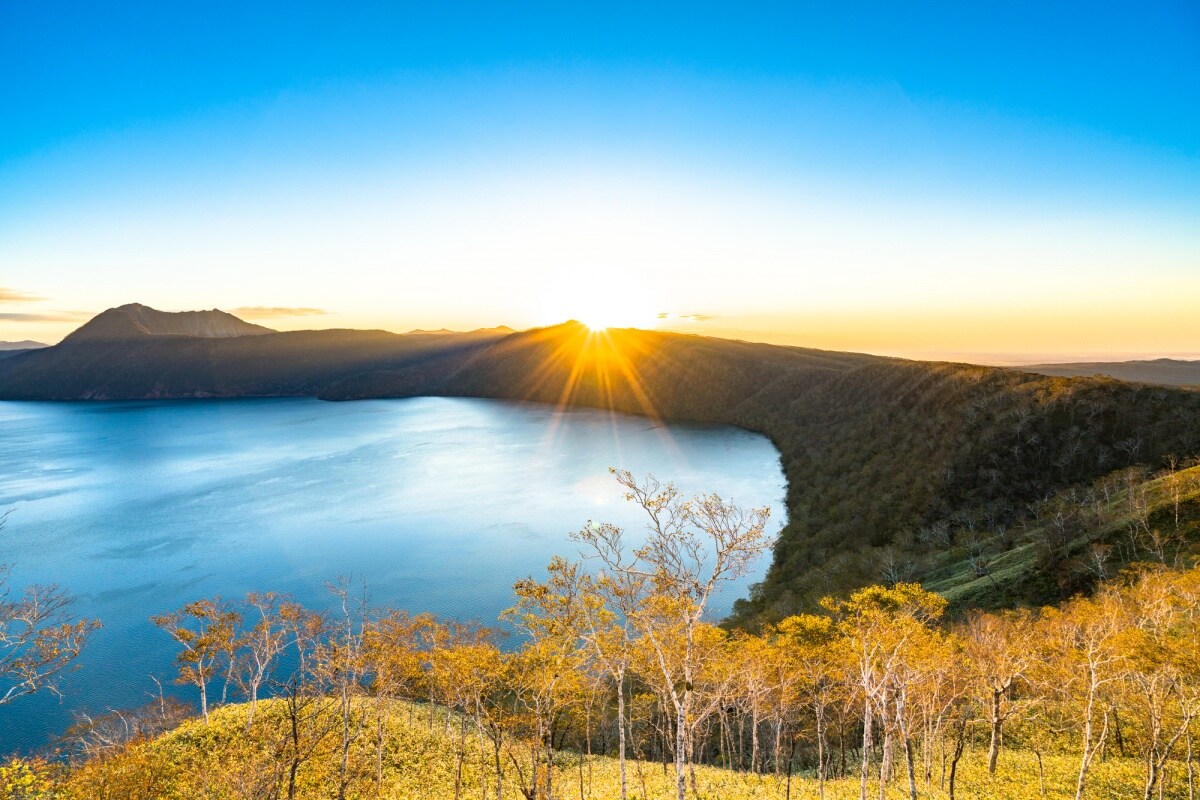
(261, 643)
(97, 736)
(610, 600)
(342, 664)
(692, 547)
(39, 639)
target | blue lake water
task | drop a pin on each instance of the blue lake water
(437, 504)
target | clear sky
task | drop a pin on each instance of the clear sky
(950, 179)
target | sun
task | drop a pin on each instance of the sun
(603, 307)
(600, 316)
(601, 319)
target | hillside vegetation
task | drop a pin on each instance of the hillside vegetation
(616, 687)
(1067, 543)
(227, 759)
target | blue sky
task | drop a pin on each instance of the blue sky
(849, 175)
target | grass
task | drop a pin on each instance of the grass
(956, 580)
(225, 759)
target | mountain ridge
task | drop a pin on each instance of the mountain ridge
(135, 320)
(1161, 371)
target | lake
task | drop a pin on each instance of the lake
(436, 504)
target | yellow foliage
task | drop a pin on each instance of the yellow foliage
(226, 760)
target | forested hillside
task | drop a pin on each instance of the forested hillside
(886, 459)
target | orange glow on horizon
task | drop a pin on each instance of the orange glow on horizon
(600, 369)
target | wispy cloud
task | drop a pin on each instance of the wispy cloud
(62, 316)
(671, 316)
(274, 312)
(13, 296)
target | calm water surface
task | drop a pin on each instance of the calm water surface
(437, 504)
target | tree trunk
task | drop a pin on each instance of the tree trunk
(912, 777)
(462, 756)
(868, 743)
(754, 739)
(550, 764)
(886, 765)
(994, 745)
(498, 745)
(1191, 772)
(621, 732)
(778, 746)
(820, 713)
(959, 744)
(792, 758)
(483, 788)
(1089, 749)
(253, 704)
(680, 749)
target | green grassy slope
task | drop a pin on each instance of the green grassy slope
(1072, 541)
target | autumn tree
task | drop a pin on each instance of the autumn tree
(205, 630)
(816, 657)
(1082, 662)
(304, 692)
(886, 629)
(39, 639)
(390, 648)
(1160, 640)
(465, 670)
(546, 668)
(341, 664)
(609, 600)
(691, 548)
(1000, 650)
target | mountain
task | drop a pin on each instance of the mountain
(1163, 371)
(136, 321)
(135, 352)
(889, 463)
(10, 349)
(27, 344)
(500, 330)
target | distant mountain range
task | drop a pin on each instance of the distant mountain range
(878, 452)
(27, 344)
(1164, 371)
(502, 330)
(10, 349)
